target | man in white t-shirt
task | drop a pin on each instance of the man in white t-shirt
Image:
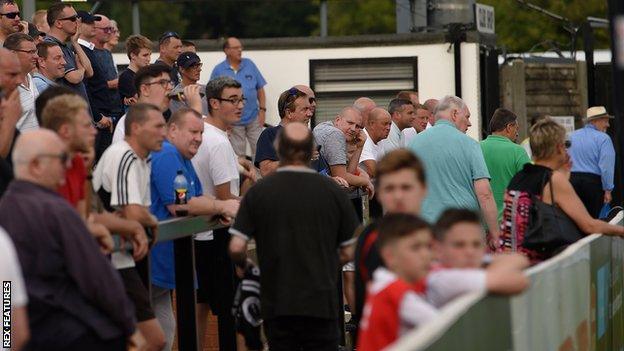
(10, 272)
(217, 167)
(403, 115)
(153, 85)
(26, 51)
(122, 179)
(419, 125)
(377, 129)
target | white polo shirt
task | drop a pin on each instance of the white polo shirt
(28, 95)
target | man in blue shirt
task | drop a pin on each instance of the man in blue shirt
(184, 135)
(593, 161)
(252, 81)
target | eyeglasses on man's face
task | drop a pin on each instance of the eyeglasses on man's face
(165, 83)
(72, 18)
(233, 101)
(63, 156)
(106, 29)
(29, 52)
(11, 15)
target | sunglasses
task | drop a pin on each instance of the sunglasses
(107, 29)
(168, 35)
(73, 18)
(11, 15)
(63, 157)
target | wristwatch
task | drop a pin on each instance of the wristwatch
(262, 109)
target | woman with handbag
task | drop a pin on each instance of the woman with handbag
(542, 213)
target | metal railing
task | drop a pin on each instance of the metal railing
(181, 231)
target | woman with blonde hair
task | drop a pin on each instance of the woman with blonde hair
(542, 213)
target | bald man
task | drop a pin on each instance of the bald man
(11, 108)
(365, 106)
(106, 106)
(377, 129)
(334, 137)
(89, 313)
(300, 246)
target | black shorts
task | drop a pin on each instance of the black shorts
(138, 294)
(215, 273)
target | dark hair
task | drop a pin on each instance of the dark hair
(501, 118)
(14, 40)
(54, 12)
(44, 46)
(400, 159)
(405, 94)
(291, 151)
(42, 100)
(135, 43)
(398, 225)
(137, 113)
(451, 217)
(215, 88)
(150, 71)
(286, 101)
(188, 43)
(176, 117)
(397, 104)
(7, 2)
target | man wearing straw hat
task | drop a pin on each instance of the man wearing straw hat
(593, 160)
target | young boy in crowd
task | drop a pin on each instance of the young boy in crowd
(459, 240)
(404, 294)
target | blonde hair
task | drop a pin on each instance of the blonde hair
(545, 135)
(61, 110)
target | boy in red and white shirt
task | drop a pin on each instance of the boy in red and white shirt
(404, 294)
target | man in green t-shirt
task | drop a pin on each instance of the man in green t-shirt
(503, 157)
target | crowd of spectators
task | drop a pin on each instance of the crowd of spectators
(88, 154)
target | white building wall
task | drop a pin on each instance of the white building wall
(284, 68)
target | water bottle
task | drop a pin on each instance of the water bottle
(180, 185)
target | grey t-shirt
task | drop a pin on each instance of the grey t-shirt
(332, 142)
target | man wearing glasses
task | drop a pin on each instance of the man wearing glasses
(26, 51)
(153, 86)
(63, 21)
(10, 20)
(170, 47)
(252, 81)
(106, 107)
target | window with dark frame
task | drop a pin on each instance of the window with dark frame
(339, 82)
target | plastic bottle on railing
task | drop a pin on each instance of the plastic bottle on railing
(180, 185)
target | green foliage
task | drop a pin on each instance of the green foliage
(520, 28)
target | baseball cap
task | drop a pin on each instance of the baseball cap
(34, 32)
(88, 18)
(188, 59)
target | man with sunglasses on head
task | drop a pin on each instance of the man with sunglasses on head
(252, 81)
(106, 106)
(63, 22)
(10, 20)
(170, 48)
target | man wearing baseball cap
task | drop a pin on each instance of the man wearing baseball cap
(189, 67)
(593, 160)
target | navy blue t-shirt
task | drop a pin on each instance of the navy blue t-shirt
(266, 151)
(104, 101)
